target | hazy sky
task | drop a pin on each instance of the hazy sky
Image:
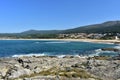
(21, 15)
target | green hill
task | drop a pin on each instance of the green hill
(106, 27)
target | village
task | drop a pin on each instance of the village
(107, 36)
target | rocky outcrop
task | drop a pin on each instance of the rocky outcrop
(53, 68)
(110, 49)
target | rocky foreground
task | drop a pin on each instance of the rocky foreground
(54, 68)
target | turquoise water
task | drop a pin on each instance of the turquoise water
(10, 48)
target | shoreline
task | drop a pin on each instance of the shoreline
(67, 67)
(77, 40)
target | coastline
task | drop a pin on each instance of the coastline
(78, 40)
(67, 67)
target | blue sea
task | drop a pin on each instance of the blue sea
(15, 48)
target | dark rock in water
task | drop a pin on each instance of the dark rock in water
(110, 49)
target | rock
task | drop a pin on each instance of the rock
(31, 66)
(57, 78)
(116, 57)
(68, 69)
(68, 56)
(110, 49)
(91, 79)
(4, 71)
(18, 71)
(19, 79)
(27, 66)
(37, 70)
(20, 60)
(79, 65)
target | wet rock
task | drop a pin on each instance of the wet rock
(110, 49)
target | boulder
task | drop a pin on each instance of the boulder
(37, 70)
(4, 70)
(18, 71)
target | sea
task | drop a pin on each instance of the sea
(16, 48)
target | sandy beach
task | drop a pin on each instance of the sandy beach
(80, 40)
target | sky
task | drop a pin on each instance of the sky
(21, 15)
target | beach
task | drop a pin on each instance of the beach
(80, 40)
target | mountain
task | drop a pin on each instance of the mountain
(106, 27)
(41, 32)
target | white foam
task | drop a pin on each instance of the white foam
(61, 56)
(117, 47)
(96, 53)
(59, 42)
(28, 55)
(99, 51)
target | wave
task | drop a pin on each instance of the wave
(61, 56)
(96, 53)
(59, 42)
(99, 52)
(28, 55)
(117, 47)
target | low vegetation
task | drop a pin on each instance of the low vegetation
(71, 73)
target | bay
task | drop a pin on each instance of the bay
(14, 48)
